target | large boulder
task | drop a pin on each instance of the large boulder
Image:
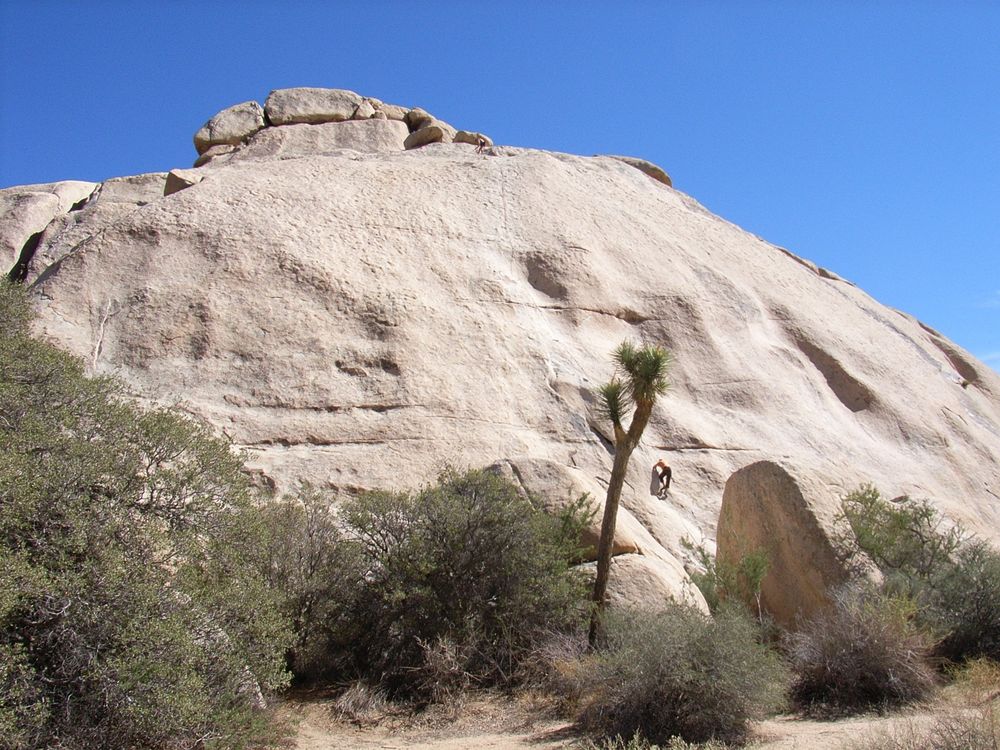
(790, 514)
(474, 138)
(230, 126)
(417, 118)
(432, 132)
(392, 111)
(220, 151)
(133, 190)
(311, 105)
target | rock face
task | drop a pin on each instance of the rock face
(642, 582)
(28, 210)
(646, 167)
(789, 513)
(356, 314)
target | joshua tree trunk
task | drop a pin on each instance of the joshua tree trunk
(625, 443)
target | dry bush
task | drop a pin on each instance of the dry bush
(638, 742)
(558, 667)
(862, 653)
(680, 673)
(967, 730)
(361, 704)
(443, 677)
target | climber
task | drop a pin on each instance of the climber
(660, 483)
(480, 145)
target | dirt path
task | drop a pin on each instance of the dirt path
(488, 723)
(496, 724)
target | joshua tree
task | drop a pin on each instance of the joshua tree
(641, 376)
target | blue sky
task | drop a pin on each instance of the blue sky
(864, 136)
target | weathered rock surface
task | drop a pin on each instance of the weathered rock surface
(230, 126)
(296, 141)
(214, 152)
(26, 210)
(358, 317)
(642, 582)
(107, 202)
(556, 486)
(788, 512)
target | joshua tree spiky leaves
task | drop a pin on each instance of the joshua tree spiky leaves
(640, 377)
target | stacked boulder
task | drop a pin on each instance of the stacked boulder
(233, 127)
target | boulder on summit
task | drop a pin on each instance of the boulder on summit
(230, 126)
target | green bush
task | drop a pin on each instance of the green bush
(907, 539)
(964, 603)
(133, 611)
(722, 581)
(429, 592)
(318, 570)
(681, 673)
(953, 578)
(864, 652)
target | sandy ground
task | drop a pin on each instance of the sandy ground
(496, 724)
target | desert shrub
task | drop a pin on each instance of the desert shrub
(430, 592)
(975, 680)
(974, 729)
(863, 652)
(558, 669)
(469, 562)
(964, 603)
(318, 570)
(967, 719)
(638, 742)
(360, 703)
(907, 539)
(133, 611)
(681, 673)
(721, 581)
(953, 578)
